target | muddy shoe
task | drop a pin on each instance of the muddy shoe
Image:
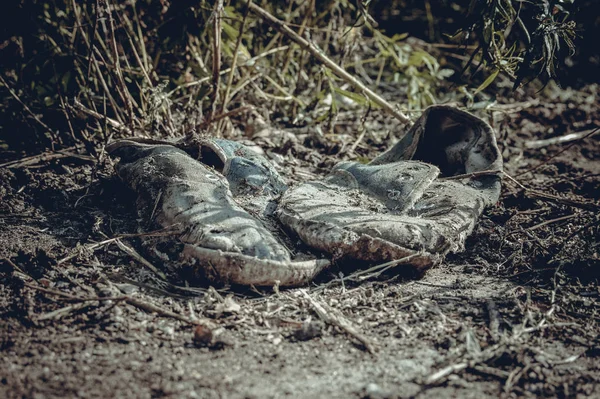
(245, 170)
(219, 237)
(253, 181)
(419, 200)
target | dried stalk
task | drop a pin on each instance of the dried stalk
(238, 43)
(338, 321)
(335, 68)
(113, 123)
(216, 56)
(134, 254)
(27, 109)
(251, 61)
(549, 197)
(121, 85)
(138, 303)
(288, 56)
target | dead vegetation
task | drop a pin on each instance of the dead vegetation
(80, 73)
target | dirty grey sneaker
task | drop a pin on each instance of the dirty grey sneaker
(421, 199)
(220, 237)
(245, 170)
(253, 180)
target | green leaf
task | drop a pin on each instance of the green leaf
(421, 57)
(488, 81)
(229, 31)
(357, 98)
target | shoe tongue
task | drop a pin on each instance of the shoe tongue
(247, 176)
(398, 185)
(246, 171)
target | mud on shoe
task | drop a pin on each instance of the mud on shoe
(219, 236)
(420, 199)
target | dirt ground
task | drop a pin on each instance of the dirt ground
(515, 315)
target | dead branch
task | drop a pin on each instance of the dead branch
(562, 139)
(216, 55)
(251, 61)
(589, 133)
(46, 156)
(549, 197)
(238, 43)
(445, 372)
(98, 245)
(113, 123)
(121, 86)
(28, 110)
(339, 321)
(134, 254)
(138, 303)
(320, 55)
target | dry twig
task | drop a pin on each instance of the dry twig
(46, 156)
(576, 137)
(134, 254)
(320, 55)
(98, 245)
(562, 139)
(216, 55)
(136, 302)
(339, 321)
(28, 110)
(238, 43)
(554, 198)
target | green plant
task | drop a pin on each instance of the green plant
(527, 54)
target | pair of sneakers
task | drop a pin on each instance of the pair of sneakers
(418, 201)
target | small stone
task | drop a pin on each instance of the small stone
(374, 391)
(127, 289)
(309, 330)
(203, 336)
(217, 339)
